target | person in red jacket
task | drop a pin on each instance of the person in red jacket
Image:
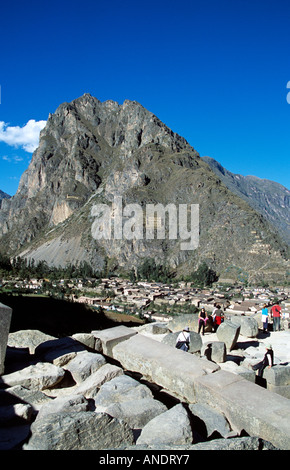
(276, 314)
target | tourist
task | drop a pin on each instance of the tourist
(218, 318)
(202, 319)
(183, 340)
(268, 361)
(276, 314)
(265, 318)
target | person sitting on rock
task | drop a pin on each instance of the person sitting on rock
(183, 340)
(268, 361)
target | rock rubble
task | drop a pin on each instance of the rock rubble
(66, 394)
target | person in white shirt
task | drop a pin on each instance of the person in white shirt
(183, 340)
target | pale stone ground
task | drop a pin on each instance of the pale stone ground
(253, 349)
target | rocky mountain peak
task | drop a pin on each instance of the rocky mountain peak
(90, 151)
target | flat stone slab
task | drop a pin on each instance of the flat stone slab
(112, 336)
(247, 406)
(173, 369)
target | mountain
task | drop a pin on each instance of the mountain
(269, 198)
(89, 154)
(3, 196)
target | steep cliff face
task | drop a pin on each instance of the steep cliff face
(92, 152)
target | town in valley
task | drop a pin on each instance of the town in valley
(149, 300)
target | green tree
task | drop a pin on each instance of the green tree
(204, 275)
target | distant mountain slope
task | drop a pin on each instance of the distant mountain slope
(3, 196)
(88, 153)
(271, 199)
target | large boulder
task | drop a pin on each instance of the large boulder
(170, 428)
(228, 332)
(242, 370)
(39, 376)
(189, 319)
(112, 336)
(84, 364)
(50, 350)
(90, 387)
(249, 326)
(20, 394)
(84, 430)
(72, 403)
(214, 422)
(89, 341)
(125, 398)
(278, 379)
(181, 321)
(30, 339)
(120, 389)
(136, 413)
(214, 351)
(278, 374)
(154, 328)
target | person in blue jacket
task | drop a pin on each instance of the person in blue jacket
(265, 317)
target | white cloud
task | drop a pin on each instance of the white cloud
(12, 159)
(26, 137)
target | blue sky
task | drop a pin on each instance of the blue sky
(214, 71)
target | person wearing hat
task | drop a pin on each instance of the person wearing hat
(268, 361)
(183, 340)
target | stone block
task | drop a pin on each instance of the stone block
(228, 332)
(249, 326)
(247, 406)
(90, 387)
(278, 375)
(83, 430)
(39, 376)
(112, 336)
(283, 390)
(5, 320)
(214, 421)
(214, 351)
(173, 369)
(170, 428)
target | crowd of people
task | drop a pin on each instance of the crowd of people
(217, 317)
(275, 313)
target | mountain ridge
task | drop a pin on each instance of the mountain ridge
(88, 153)
(268, 197)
